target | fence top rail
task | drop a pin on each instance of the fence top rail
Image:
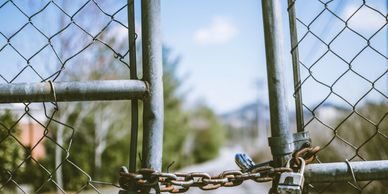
(347, 171)
(72, 91)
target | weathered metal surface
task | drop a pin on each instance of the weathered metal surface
(281, 134)
(181, 182)
(72, 91)
(133, 74)
(295, 65)
(153, 113)
(340, 171)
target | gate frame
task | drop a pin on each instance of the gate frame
(150, 90)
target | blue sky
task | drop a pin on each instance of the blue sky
(221, 45)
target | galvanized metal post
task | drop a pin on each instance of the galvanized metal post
(133, 74)
(295, 65)
(347, 171)
(134, 102)
(73, 91)
(152, 75)
(281, 142)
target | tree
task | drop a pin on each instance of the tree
(11, 151)
(186, 139)
(93, 137)
(180, 127)
(366, 139)
(209, 134)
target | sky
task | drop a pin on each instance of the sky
(223, 54)
(222, 51)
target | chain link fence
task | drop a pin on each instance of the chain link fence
(53, 146)
(340, 67)
(340, 59)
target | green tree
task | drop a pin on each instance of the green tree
(89, 119)
(181, 131)
(11, 151)
(176, 121)
(186, 139)
(209, 134)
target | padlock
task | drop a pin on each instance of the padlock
(292, 182)
(244, 162)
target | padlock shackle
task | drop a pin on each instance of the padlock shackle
(302, 164)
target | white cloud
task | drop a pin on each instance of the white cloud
(364, 19)
(220, 31)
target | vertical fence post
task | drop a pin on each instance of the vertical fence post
(133, 75)
(152, 75)
(295, 65)
(281, 142)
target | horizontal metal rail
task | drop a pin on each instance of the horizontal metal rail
(73, 91)
(342, 171)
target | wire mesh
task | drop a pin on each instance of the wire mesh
(41, 143)
(341, 50)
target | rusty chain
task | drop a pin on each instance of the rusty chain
(307, 153)
(146, 178)
(181, 182)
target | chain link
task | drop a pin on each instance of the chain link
(307, 153)
(45, 42)
(343, 63)
(181, 182)
(146, 178)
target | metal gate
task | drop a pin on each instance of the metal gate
(320, 34)
(346, 41)
(58, 84)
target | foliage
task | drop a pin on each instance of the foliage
(11, 151)
(176, 122)
(209, 136)
(368, 136)
(182, 131)
(186, 139)
(95, 135)
(364, 141)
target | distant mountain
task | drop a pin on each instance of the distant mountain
(247, 126)
(250, 124)
(248, 111)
